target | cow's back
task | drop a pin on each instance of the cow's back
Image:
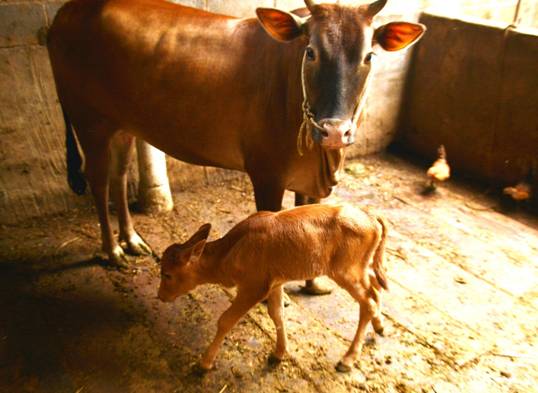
(185, 80)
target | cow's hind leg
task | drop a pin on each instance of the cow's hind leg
(95, 142)
(121, 153)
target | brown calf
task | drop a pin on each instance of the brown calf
(268, 249)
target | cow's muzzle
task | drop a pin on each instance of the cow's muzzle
(334, 133)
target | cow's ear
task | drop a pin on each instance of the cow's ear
(398, 35)
(280, 25)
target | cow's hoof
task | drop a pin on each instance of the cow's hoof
(341, 367)
(135, 245)
(273, 360)
(117, 258)
(315, 288)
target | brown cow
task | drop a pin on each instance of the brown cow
(213, 90)
(267, 249)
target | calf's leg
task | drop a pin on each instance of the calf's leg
(246, 298)
(377, 319)
(121, 153)
(364, 297)
(275, 307)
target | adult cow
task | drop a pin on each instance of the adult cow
(213, 90)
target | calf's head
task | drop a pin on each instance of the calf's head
(178, 266)
(338, 59)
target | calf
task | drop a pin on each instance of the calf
(268, 249)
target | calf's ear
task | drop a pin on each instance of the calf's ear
(398, 35)
(197, 250)
(201, 234)
(194, 247)
(280, 25)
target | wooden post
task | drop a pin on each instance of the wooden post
(515, 21)
(524, 13)
(154, 189)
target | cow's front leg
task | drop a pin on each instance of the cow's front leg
(268, 195)
(312, 287)
(121, 153)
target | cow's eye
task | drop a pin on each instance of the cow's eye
(368, 58)
(166, 276)
(310, 55)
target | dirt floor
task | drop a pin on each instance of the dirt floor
(461, 313)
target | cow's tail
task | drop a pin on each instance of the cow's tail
(379, 256)
(75, 176)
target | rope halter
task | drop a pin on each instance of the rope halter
(305, 131)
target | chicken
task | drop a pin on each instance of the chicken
(522, 191)
(439, 171)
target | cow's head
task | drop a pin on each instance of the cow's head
(338, 60)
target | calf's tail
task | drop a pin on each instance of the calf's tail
(75, 177)
(379, 256)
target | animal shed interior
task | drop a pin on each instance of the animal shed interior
(460, 314)
(461, 311)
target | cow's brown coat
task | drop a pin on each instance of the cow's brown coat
(210, 90)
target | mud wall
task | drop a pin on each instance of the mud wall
(474, 88)
(32, 155)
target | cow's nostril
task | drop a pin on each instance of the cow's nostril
(347, 134)
(324, 134)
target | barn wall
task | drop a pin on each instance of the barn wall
(32, 155)
(474, 87)
(32, 169)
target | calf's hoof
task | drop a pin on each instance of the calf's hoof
(380, 330)
(341, 367)
(199, 371)
(377, 324)
(201, 368)
(315, 288)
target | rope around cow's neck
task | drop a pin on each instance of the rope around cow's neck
(308, 117)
